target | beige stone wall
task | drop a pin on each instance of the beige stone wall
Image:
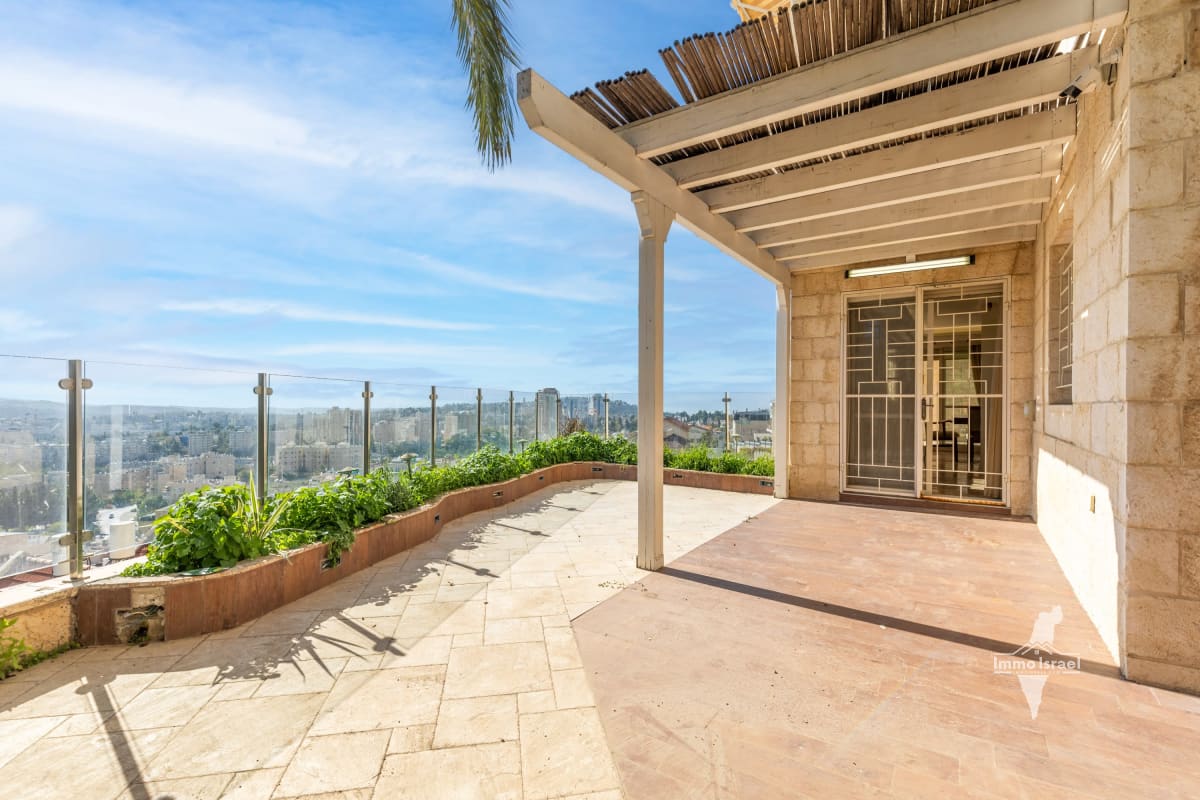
(1162, 381)
(816, 432)
(43, 626)
(1079, 449)
(1130, 202)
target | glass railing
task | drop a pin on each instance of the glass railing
(33, 469)
(400, 425)
(494, 422)
(150, 434)
(315, 430)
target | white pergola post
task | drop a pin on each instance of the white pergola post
(783, 386)
(654, 220)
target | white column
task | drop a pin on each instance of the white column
(783, 386)
(654, 219)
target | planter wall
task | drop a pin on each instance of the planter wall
(118, 610)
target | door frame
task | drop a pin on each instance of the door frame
(918, 292)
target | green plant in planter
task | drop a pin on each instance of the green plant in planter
(331, 512)
(13, 651)
(214, 528)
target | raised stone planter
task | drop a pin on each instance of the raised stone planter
(118, 609)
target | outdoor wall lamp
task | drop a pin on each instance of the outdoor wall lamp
(909, 266)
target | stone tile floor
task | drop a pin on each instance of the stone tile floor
(450, 671)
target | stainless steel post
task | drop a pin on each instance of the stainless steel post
(75, 385)
(537, 416)
(512, 421)
(558, 416)
(606, 415)
(367, 395)
(263, 390)
(728, 432)
(433, 426)
(478, 419)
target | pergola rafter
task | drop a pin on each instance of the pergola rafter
(800, 149)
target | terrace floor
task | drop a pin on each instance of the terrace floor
(449, 671)
(824, 650)
(812, 650)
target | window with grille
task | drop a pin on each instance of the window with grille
(1061, 323)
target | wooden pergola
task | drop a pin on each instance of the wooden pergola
(830, 133)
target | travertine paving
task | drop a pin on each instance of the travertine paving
(450, 671)
(828, 651)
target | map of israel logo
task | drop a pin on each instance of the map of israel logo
(1033, 663)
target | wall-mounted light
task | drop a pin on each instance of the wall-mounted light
(910, 266)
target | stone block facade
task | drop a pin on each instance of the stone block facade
(1112, 475)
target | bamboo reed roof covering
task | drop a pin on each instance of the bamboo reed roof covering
(836, 132)
(796, 35)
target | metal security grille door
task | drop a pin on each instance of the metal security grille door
(881, 394)
(962, 402)
(924, 393)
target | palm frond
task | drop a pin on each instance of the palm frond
(486, 51)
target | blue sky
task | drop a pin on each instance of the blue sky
(293, 187)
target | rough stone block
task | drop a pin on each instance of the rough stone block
(1153, 369)
(1164, 629)
(1156, 47)
(1151, 561)
(1189, 565)
(1170, 676)
(1162, 498)
(1164, 111)
(1156, 175)
(1191, 309)
(1154, 433)
(1154, 302)
(1190, 428)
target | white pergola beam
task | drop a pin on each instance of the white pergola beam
(998, 138)
(1033, 191)
(976, 99)
(914, 233)
(983, 174)
(558, 119)
(965, 40)
(954, 244)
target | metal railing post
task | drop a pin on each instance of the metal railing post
(478, 420)
(433, 426)
(606, 415)
(512, 420)
(367, 395)
(537, 416)
(558, 416)
(75, 385)
(726, 400)
(263, 390)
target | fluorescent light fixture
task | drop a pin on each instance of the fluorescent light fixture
(910, 266)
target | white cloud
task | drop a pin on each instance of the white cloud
(17, 223)
(219, 117)
(19, 326)
(249, 307)
(572, 286)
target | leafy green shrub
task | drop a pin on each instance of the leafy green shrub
(763, 465)
(620, 450)
(334, 510)
(219, 527)
(13, 651)
(213, 528)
